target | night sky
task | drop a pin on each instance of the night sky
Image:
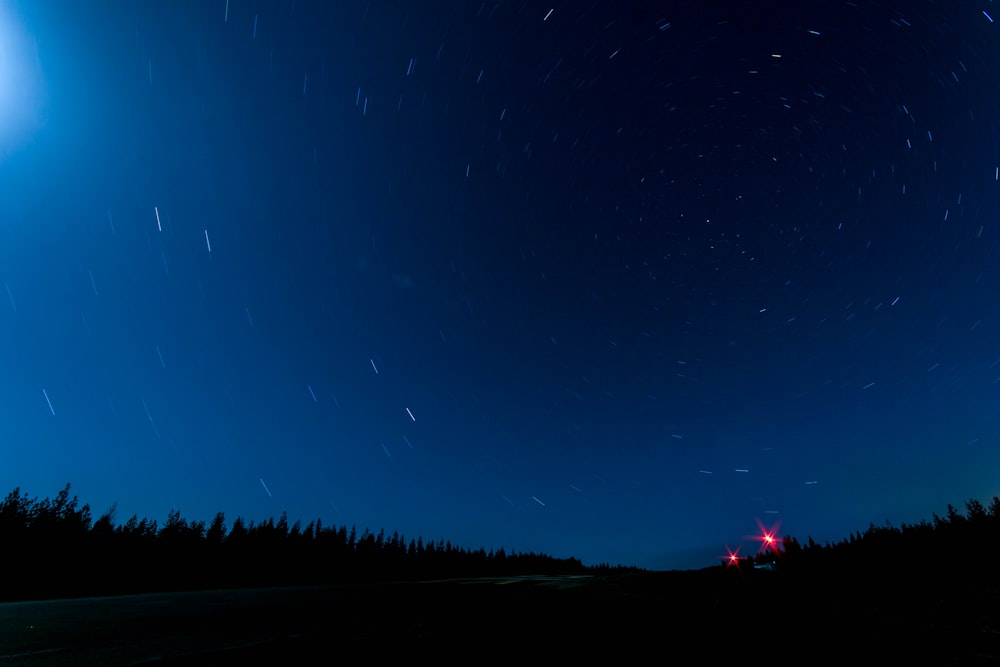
(591, 279)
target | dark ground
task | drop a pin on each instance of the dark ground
(687, 618)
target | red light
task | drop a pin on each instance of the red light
(733, 557)
(768, 538)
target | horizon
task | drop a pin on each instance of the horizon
(693, 558)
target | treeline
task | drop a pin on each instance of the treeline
(958, 543)
(938, 576)
(54, 548)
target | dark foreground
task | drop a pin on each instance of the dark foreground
(690, 618)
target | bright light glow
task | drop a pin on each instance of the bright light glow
(733, 557)
(768, 538)
(20, 80)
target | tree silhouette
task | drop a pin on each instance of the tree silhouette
(216, 533)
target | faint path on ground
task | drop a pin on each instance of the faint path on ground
(142, 629)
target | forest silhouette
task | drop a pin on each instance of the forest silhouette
(102, 557)
(142, 555)
(929, 590)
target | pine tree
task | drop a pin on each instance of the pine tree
(216, 530)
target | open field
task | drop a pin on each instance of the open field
(753, 619)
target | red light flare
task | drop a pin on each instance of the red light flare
(768, 538)
(732, 557)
